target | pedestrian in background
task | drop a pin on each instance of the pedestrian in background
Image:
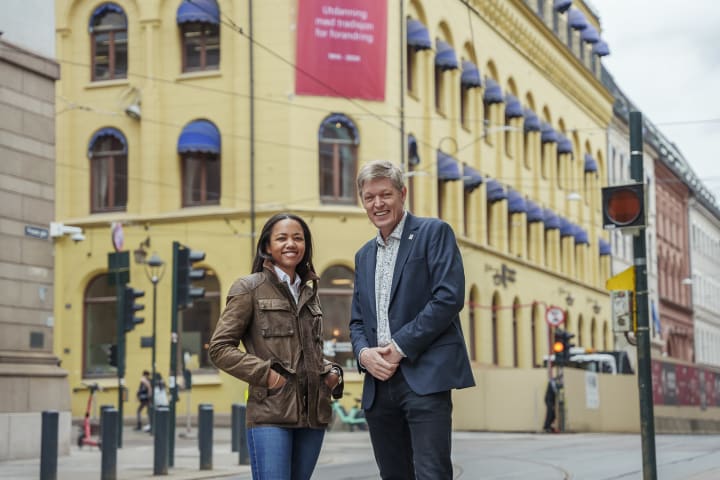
(405, 330)
(275, 313)
(144, 397)
(550, 399)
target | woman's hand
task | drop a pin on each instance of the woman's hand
(275, 380)
(333, 378)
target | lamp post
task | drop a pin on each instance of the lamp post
(154, 270)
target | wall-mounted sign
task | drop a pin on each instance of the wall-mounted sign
(503, 275)
(36, 232)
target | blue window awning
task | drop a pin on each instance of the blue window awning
(206, 11)
(604, 247)
(445, 58)
(513, 107)
(532, 122)
(448, 169)
(590, 165)
(199, 136)
(566, 227)
(561, 6)
(495, 192)
(493, 92)
(337, 120)
(552, 221)
(418, 36)
(102, 10)
(413, 156)
(564, 144)
(107, 132)
(516, 202)
(590, 35)
(470, 77)
(534, 212)
(576, 19)
(581, 236)
(601, 49)
(471, 178)
(548, 134)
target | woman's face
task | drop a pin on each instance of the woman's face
(287, 245)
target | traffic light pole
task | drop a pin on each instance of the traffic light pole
(647, 419)
(120, 354)
(173, 358)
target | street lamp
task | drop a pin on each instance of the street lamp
(154, 270)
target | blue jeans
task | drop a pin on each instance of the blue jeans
(284, 453)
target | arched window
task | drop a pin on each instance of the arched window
(338, 141)
(108, 171)
(197, 323)
(199, 150)
(100, 327)
(335, 290)
(109, 45)
(473, 327)
(494, 329)
(199, 23)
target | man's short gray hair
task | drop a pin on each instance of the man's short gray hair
(380, 169)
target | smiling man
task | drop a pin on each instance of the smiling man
(405, 330)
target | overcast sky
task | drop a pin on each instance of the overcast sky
(665, 56)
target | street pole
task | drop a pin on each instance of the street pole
(154, 270)
(647, 419)
(120, 355)
(173, 357)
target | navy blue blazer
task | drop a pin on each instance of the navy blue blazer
(427, 294)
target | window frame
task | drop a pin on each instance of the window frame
(114, 162)
(203, 159)
(337, 196)
(200, 27)
(112, 31)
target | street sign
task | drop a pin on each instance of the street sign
(554, 316)
(117, 235)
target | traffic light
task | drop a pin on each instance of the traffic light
(562, 345)
(623, 206)
(130, 308)
(183, 262)
(112, 354)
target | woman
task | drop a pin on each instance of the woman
(275, 313)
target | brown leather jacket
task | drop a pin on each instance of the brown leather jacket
(261, 313)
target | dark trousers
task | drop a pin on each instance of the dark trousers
(549, 416)
(410, 433)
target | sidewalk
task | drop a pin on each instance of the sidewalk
(135, 459)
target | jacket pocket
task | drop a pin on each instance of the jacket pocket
(324, 406)
(278, 406)
(275, 317)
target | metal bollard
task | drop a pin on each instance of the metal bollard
(109, 422)
(161, 424)
(235, 426)
(243, 452)
(49, 445)
(205, 435)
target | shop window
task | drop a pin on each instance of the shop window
(336, 290)
(197, 324)
(100, 327)
(109, 43)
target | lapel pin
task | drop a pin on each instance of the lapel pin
(411, 236)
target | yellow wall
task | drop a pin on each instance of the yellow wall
(507, 41)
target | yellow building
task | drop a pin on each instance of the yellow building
(178, 126)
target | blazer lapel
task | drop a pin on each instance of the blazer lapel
(406, 244)
(371, 262)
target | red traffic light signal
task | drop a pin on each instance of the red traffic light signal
(623, 206)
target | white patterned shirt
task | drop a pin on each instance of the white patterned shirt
(384, 268)
(294, 286)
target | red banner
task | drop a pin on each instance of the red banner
(341, 48)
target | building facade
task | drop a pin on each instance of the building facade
(181, 129)
(31, 379)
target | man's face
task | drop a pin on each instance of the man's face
(383, 204)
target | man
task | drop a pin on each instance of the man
(405, 330)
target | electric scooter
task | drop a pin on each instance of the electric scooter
(86, 437)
